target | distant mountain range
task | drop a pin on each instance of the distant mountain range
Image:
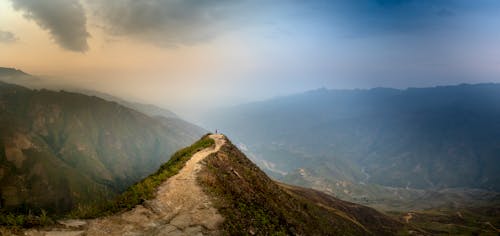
(211, 188)
(341, 140)
(19, 77)
(252, 203)
(404, 150)
(60, 149)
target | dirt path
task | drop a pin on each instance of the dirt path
(492, 226)
(180, 208)
(408, 217)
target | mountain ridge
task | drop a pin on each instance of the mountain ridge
(394, 138)
(233, 196)
(60, 149)
(274, 207)
(253, 203)
(18, 77)
(21, 78)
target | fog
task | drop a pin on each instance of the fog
(191, 57)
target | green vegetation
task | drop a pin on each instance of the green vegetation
(253, 204)
(61, 150)
(465, 221)
(146, 188)
(19, 219)
(25, 217)
(423, 138)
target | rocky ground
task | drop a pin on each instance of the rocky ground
(179, 208)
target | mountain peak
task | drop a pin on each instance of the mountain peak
(59, 150)
(218, 190)
(17, 77)
(4, 71)
(253, 203)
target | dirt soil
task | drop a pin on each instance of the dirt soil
(179, 208)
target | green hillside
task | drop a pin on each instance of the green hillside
(144, 189)
(59, 149)
(254, 204)
(377, 146)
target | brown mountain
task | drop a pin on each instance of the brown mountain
(211, 188)
(252, 203)
(61, 149)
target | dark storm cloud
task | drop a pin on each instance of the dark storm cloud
(170, 23)
(64, 19)
(184, 22)
(7, 37)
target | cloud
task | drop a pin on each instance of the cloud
(7, 37)
(64, 19)
(170, 22)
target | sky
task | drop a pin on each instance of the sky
(189, 55)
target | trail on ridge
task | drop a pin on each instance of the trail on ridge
(179, 208)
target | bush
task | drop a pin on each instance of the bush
(146, 188)
(25, 219)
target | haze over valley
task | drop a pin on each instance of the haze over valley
(165, 117)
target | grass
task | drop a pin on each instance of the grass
(146, 188)
(253, 204)
(465, 221)
(134, 195)
(28, 219)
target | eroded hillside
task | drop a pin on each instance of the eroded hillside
(61, 149)
(218, 191)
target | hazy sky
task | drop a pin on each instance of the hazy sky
(185, 54)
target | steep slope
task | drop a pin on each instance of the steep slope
(179, 207)
(418, 138)
(219, 191)
(18, 77)
(148, 109)
(252, 203)
(21, 78)
(11, 72)
(60, 149)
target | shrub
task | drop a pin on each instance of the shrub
(146, 188)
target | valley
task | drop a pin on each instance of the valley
(339, 117)
(179, 208)
(195, 201)
(59, 150)
(418, 149)
(160, 206)
(418, 138)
